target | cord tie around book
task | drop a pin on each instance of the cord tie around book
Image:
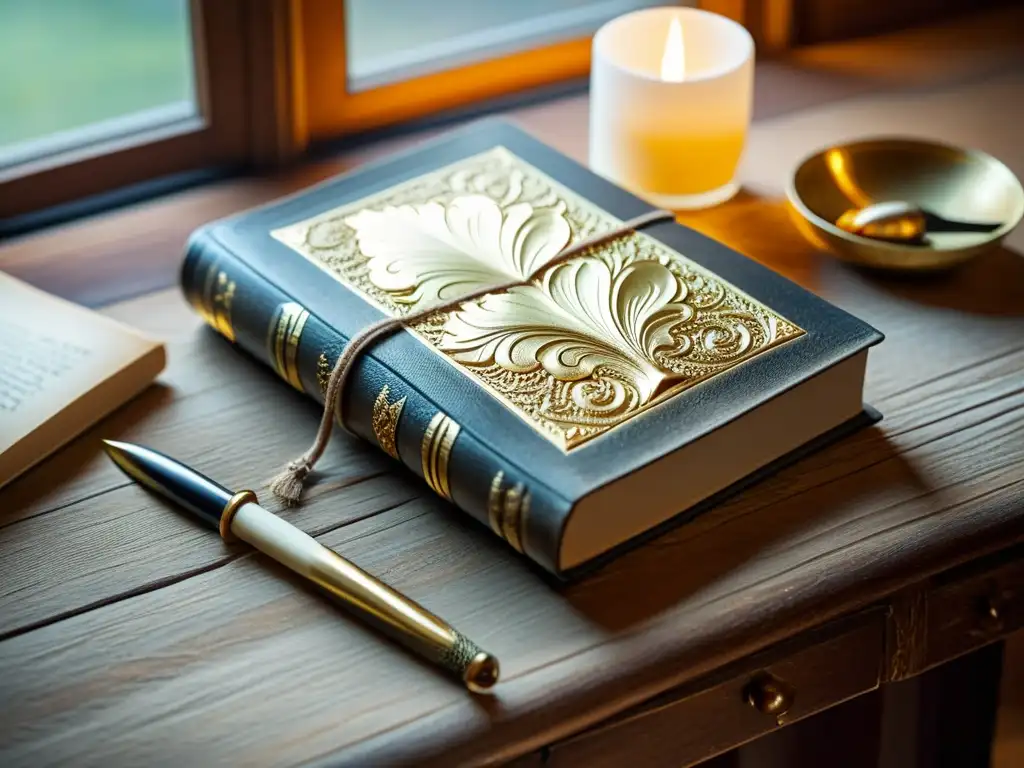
(287, 485)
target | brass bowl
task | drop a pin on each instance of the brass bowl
(959, 184)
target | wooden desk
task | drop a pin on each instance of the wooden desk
(130, 636)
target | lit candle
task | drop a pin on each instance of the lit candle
(670, 102)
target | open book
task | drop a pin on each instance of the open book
(62, 369)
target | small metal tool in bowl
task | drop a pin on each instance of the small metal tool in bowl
(902, 184)
(901, 222)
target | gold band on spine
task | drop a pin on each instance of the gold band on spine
(385, 421)
(235, 503)
(517, 504)
(436, 451)
(215, 299)
(507, 510)
(283, 337)
(495, 508)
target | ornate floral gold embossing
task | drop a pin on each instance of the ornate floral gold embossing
(215, 301)
(283, 338)
(385, 421)
(507, 508)
(323, 378)
(323, 372)
(583, 347)
(436, 450)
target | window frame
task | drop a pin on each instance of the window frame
(215, 135)
(332, 111)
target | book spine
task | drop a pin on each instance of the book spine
(381, 407)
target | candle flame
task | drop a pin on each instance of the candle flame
(673, 61)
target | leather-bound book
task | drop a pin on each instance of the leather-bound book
(616, 393)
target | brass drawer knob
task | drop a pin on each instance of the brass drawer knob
(992, 611)
(770, 695)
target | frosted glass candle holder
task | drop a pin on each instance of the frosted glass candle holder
(671, 91)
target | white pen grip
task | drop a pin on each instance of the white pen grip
(403, 619)
(278, 539)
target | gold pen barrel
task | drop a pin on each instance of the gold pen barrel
(398, 616)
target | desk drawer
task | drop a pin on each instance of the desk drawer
(700, 720)
(969, 610)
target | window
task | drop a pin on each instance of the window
(452, 33)
(362, 70)
(97, 94)
(78, 73)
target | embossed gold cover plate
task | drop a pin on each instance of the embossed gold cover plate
(589, 344)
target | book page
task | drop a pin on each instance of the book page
(31, 363)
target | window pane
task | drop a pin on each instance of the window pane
(390, 40)
(74, 72)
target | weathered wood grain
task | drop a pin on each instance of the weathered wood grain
(127, 542)
(907, 640)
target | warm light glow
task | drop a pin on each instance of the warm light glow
(841, 168)
(673, 61)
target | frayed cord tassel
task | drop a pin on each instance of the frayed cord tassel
(287, 485)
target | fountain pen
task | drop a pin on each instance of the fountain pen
(239, 516)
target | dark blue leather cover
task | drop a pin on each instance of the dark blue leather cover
(267, 273)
